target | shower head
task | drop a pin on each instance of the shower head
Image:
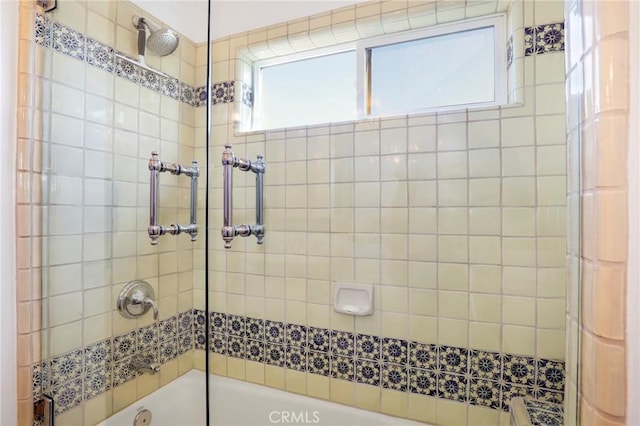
(162, 41)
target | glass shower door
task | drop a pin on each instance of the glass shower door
(120, 80)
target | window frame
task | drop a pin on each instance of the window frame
(363, 49)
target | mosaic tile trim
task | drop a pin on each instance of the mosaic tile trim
(84, 373)
(67, 41)
(510, 51)
(472, 376)
(544, 39)
(536, 413)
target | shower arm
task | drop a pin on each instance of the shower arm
(229, 230)
(156, 167)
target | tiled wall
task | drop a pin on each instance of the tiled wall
(457, 219)
(598, 113)
(89, 121)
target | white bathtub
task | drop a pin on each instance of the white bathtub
(181, 403)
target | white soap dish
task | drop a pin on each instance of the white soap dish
(353, 299)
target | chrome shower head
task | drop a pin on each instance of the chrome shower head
(162, 41)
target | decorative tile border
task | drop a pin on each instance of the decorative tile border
(544, 39)
(85, 373)
(67, 41)
(531, 412)
(460, 374)
(472, 376)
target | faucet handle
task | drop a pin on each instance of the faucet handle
(149, 302)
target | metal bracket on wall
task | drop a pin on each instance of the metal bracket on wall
(43, 411)
(47, 5)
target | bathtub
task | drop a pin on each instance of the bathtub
(181, 403)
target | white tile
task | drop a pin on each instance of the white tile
(64, 220)
(66, 161)
(149, 124)
(65, 190)
(65, 249)
(125, 143)
(98, 136)
(67, 70)
(99, 110)
(127, 92)
(98, 164)
(126, 117)
(66, 130)
(68, 101)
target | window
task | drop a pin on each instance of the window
(451, 66)
(304, 91)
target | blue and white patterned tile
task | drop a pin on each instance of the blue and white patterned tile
(422, 355)
(68, 42)
(97, 355)
(201, 96)
(342, 343)
(274, 355)
(151, 79)
(185, 343)
(236, 347)
(42, 30)
(168, 328)
(549, 396)
(220, 93)
(549, 38)
(395, 377)
(453, 359)
(318, 363)
(199, 320)
(343, 367)
(185, 322)
(100, 55)
(171, 88)
(187, 94)
(39, 379)
(219, 343)
(537, 404)
(485, 365)
(147, 337)
(296, 335)
(199, 339)
(254, 350)
(368, 347)
(127, 69)
(318, 339)
(247, 95)
(395, 351)
(485, 393)
(452, 386)
(254, 328)
(510, 391)
(123, 372)
(66, 367)
(368, 372)
(236, 325)
(168, 350)
(424, 382)
(550, 374)
(67, 395)
(218, 322)
(96, 383)
(510, 51)
(274, 331)
(296, 358)
(518, 369)
(231, 90)
(544, 418)
(529, 41)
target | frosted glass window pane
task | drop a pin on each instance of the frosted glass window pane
(450, 69)
(309, 91)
